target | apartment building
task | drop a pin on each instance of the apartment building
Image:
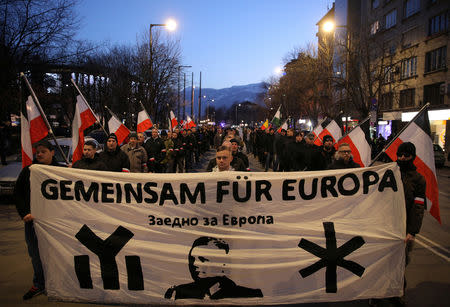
(414, 39)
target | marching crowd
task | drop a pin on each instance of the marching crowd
(179, 150)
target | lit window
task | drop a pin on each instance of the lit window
(409, 68)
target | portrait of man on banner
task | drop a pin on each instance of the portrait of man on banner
(209, 274)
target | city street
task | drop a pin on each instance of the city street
(428, 274)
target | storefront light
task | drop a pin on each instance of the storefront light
(432, 115)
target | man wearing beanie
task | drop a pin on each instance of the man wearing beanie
(136, 154)
(114, 158)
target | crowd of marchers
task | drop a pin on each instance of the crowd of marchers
(178, 150)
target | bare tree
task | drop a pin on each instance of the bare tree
(33, 33)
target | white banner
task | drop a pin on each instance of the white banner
(220, 238)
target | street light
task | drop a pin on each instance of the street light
(330, 26)
(171, 26)
(207, 106)
(238, 105)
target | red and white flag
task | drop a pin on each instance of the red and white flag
(332, 129)
(82, 119)
(283, 126)
(115, 126)
(318, 130)
(359, 141)
(33, 129)
(418, 133)
(190, 123)
(144, 121)
(173, 120)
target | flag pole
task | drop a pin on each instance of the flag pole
(424, 108)
(362, 122)
(36, 102)
(85, 101)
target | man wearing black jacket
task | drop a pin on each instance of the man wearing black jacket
(239, 154)
(155, 149)
(114, 158)
(90, 159)
(44, 155)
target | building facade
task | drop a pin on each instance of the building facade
(409, 42)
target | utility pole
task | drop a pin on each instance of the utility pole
(192, 97)
(184, 97)
(200, 99)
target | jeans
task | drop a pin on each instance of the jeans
(33, 251)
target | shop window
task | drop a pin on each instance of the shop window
(409, 68)
(390, 19)
(432, 94)
(387, 101)
(438, 23)
(407, 98)
(436, 59)
(410, 37)
(410, 7)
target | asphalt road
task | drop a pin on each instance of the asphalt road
(428, 274)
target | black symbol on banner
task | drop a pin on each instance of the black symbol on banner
(106, 250)
(331, 257)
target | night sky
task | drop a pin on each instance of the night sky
(232, 42)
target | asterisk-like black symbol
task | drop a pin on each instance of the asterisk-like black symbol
(331, 257)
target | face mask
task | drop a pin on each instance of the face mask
(406, 165)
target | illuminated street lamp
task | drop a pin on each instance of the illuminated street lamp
(328, 27)
(238, 105)
(171, 26)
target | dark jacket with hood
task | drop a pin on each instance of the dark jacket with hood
(115, 160)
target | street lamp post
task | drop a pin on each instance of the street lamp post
(170, 25)
(330, 26)
(238, 105)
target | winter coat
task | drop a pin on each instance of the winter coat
(115, 161)
(154, 149)
(340, 164)
(414, 186)
(92, 164)
(138, 158)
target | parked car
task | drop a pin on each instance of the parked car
(9, 173)
(439, 156)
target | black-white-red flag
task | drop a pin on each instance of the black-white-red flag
(359, 141)
(418, 132)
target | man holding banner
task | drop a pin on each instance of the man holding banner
(44, 155)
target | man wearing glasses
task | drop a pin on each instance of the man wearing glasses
(344, 158)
